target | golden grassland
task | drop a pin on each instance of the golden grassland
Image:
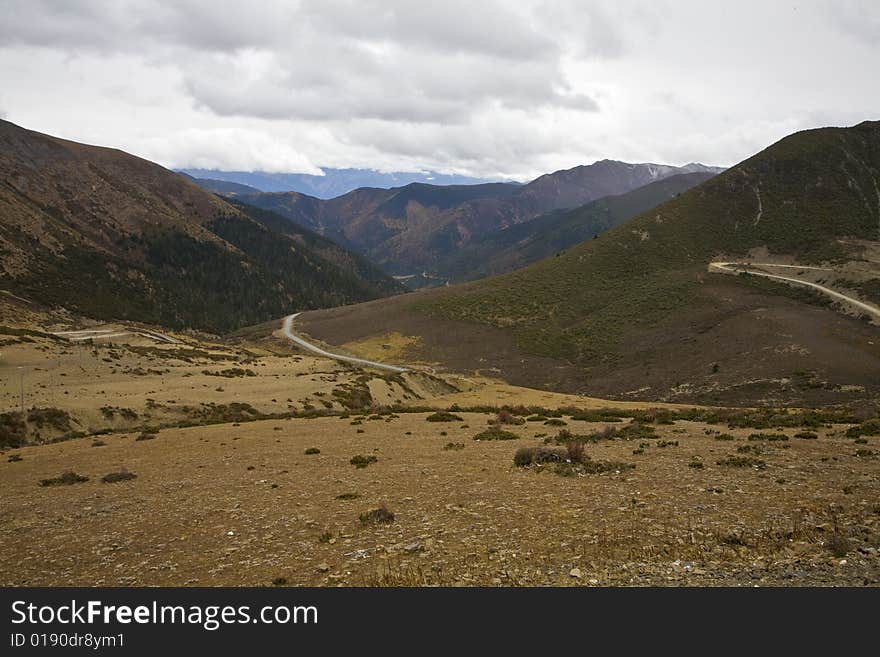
(224, 493)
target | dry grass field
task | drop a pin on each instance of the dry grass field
(245, 505)
(237, 463)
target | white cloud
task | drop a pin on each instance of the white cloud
(229, 149)
(483, 88)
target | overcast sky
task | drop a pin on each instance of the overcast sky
(486, 88)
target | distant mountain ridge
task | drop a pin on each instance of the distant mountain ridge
(419, 227)
(334, 182)
(113, 236)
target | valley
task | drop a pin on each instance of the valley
(651, 376)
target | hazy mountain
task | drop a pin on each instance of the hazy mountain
(636, 314)
(334, 182)
(113, 236)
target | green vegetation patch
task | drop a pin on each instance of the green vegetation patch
(443, 416)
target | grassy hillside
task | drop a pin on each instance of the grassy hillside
(112, 236)
(798, 197)
(635, 313)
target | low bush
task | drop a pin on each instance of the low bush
(504, 416)
(66, 479)
(443, 416)
(377, 516)
(838, 544)
(116, 477)
(361, 461)
(531, 455)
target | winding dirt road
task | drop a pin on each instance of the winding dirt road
(737, 267)
(288, 332)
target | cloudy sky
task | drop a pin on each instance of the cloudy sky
(508, 88)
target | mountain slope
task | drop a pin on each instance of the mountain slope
(551, 233)
(418, 227)
(114, 236)
(635, 313)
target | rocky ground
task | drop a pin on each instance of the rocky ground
(243, 504)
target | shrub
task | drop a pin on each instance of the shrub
(530, 455)
(325, 537)
(115, 477)
(14, 458)
(504, 416)
(361, 461)
(536, 418)
(443, 416)
(869, 428)
(575, 450)
(377, 516)
(555, 422)
(52, 417)
(312, 450)
(348, 496)
(724, 436)
(453, 446)
(66, 479)
(588, 466)
(838, 544)
(12, 430)
(806, 435)
(279, 581)
(494, 433)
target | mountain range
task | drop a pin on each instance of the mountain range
(419, 231)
